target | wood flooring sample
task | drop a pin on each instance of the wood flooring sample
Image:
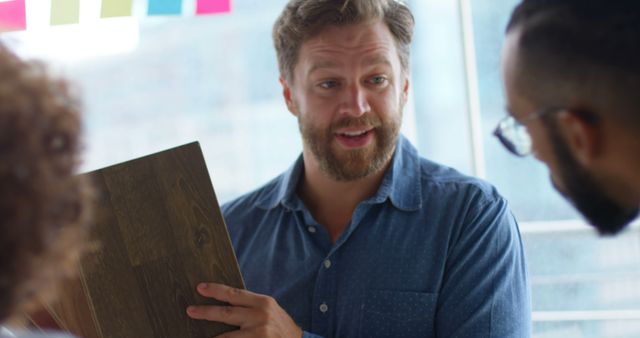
(160, 232)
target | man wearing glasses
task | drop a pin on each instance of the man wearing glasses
(572, 80)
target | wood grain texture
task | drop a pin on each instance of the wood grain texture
(160, 232)
(78, 316)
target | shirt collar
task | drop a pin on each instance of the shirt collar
(284, 191)
(401, 183)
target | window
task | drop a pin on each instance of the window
(151, 83)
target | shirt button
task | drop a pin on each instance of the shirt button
(324, 308)
(312, 229)
(327, 263)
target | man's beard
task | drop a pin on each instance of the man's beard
(353, 164)
(580, 187)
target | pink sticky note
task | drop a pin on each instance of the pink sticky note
(213, 6)
(13, 15)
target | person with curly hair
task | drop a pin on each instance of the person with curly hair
(44, 206)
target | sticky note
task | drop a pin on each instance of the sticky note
(164, 7)
(65, 12)
(213, 6)
(113, 8)
(13, 16)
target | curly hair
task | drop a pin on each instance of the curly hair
(44, 206)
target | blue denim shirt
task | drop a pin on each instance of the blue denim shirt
(433, 253)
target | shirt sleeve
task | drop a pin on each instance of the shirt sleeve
(306, 334)
(485, 291)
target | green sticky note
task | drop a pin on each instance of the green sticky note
(64, 12)
(113, 8)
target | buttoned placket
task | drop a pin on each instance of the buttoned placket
(324, 302)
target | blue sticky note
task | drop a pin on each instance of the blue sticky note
(165, 7)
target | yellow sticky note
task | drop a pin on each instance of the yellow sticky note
(113, 8)
(65, 12)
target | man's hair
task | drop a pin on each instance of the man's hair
(301, 20)
(44, 207)
(584, 52)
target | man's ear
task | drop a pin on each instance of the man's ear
(405, 90)
(286, 93)
(583, 137)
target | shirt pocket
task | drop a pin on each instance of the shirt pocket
(398, 314)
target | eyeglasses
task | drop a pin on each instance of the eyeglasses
(513, 133)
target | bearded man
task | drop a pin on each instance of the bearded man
(571, 74)
(361, 237)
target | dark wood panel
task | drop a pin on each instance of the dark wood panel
(110, 280)
(137, 203)
(191, 215)
(75, 314)
(160, 232)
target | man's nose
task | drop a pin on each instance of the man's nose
(355, 101)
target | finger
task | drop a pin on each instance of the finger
(231, 295)
(232, 315)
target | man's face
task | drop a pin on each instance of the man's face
(584, 190)
(568, 176)
(348, 91)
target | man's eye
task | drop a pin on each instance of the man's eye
(328, 84)
(378, 80)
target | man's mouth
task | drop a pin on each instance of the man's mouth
(355, 134)
(355, 138)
